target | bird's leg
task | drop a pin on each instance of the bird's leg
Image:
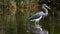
(35, 22)
(38, 23)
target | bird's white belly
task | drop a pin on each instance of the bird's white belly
(37, 19)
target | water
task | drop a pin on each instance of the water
(37, 29)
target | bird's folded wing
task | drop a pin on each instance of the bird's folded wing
(35, 16)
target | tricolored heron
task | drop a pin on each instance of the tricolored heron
(36, 17)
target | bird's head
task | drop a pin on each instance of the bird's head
(44, 5)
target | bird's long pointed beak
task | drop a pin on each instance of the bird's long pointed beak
(48, 7)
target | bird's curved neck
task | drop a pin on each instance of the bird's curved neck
(45, 9)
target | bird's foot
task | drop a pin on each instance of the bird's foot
(27, 31)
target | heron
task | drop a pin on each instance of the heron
(39, 15)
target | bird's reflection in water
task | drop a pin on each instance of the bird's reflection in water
(37, 29)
